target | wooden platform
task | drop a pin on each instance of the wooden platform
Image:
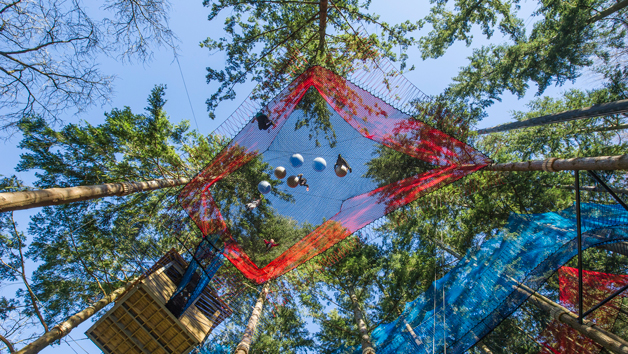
(140, 323)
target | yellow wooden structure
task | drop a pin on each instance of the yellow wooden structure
(140, 322)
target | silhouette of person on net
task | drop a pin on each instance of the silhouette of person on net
(303, 181)
(252, 205)
(270, 244)
(342, 162)
(263, 122)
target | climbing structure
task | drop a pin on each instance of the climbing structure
(491, 282)
(140, 322)
(364, 129)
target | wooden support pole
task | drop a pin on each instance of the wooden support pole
(604, 109)
(607, 163)
(55, 196)
(61, 330)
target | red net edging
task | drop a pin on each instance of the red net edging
(559, 338)
(373, 119)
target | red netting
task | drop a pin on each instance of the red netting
(559, 338)
(364, 129)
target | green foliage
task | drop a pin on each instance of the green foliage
(390, 166)
(88, 249)
(126, 147)
(327, 292)
(471, 210)
(566, 39)
(252, 228)
(18, 314)
(316, 116)
(285, 331)
(270, 39)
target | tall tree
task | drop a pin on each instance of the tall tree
(566, 38)
(341, 299)
(87, 250)
(267, 40)
(22, 312)
(49, 50)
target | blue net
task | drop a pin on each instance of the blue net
(485, 287)
(210, 261)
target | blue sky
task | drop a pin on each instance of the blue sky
(189, 22)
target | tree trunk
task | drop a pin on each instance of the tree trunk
(553, 164)
(365, 338)
(61, 330)
(608, 340)
(55, 196)
(603, 109)
(322, 29)
(245, 344)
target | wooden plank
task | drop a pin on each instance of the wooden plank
(143, 325)
(128, 333)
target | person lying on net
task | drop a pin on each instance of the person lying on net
(252, 205)
(263, 122)
(342, 162)
(270, 244)
(303, 181)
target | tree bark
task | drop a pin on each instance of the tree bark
(8, 344)
(365, 338)
(322, 28)
(554, 165)
(55, 196)
(603, 109)
(61, 330)
(608, 340)
(245, 344)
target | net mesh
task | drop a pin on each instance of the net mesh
(364, 129)
(486, 286)
(560, 338)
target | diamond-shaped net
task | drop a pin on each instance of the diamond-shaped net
(491, 282)
(320, 106)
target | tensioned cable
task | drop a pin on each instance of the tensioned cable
(176, 57)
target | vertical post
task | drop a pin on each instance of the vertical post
(245, 344)
(579, 235)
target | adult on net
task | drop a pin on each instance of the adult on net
(342, 162)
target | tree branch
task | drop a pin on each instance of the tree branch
(8, 344)
(30, 291)
(620, 5)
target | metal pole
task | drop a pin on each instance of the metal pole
(606, 300)
(579, 233)
(608, 189)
